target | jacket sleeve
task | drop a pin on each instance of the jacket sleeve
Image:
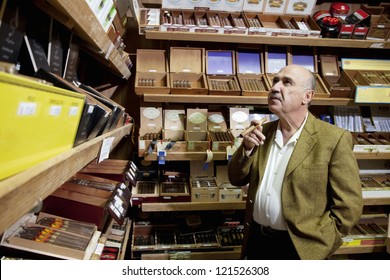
(239, 167)
(345, 185)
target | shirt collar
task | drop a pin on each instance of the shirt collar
(279, 137)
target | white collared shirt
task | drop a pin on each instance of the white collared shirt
(268, 203)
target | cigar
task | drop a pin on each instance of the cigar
(252, 127)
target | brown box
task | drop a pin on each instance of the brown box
(239, 118)
(379, 28)
(227, 192)
(174, 187)
(187, 71)
(221, 73)
(112, 169)
(150, 130)
(196, 133)
(335, 83)
(204, 189)
(152, 72)
(219, 135)
(149, 19)
(12, 239)
(174, 130)
(250, 73)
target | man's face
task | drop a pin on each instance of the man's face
(288, 90)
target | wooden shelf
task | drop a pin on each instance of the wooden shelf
(372, 155)
(266, 40)
(376, 201)
(192, 206)
(220, 99)
(77, 16)
(25, 190)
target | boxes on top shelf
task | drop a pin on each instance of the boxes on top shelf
(221, 73)
(330, 72)
(250, 73)
(152, 76)
(187, 71)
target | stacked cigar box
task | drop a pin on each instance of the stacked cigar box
(144, 185)
(113, 169)
(375, 185)
(250, 73)
(220, 136)
(90, 199)
(307, 57)
(187, 71)
(150, 130)
(221, 73)
(196, 133)
(52, 235)
(226, 191)
(203, 184)
(369, 79)
(174, 187)
(152, 74)
(332, 78)
(173, 130)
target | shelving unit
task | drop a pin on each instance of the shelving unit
(77, 16)
(25, 190)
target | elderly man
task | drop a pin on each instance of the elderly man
(304, 187)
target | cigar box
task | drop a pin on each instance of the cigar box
(274, 7)
(334, 82)
(226, 191)
(150, 130)
(267, 24)
(368, 79)
(370, 230)
(372, 142)
(379, 28)
(72, 245)
(362, 144)
(39, 122)
(152, 74)
(275, 58)
(221, 73)
(187, 71)
(173, 131)
(113, 169)
(375, 186)
(174, 187)
(229, 236)
(196, 133)
(148, 20)
(204, 189)
(202, 22)
(239, 119)
(227, 22)
(250, 73)
(144, 185)
(219, 136)
(173, 20)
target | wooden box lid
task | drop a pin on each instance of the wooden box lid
(329, 65)
(186, 60)
(151, 61)
(249, 62)
(220, 62)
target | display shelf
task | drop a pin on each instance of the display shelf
(77, 16)
(220, 99)
(265, 40)
(192, 206)
(376, 201)
(233, 254)
(372, 155)
(25, 190)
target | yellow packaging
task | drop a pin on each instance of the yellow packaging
(38, 121)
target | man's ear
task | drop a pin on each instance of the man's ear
(309, 94)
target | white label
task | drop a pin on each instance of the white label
(73, 110)
(27, 109)
(55, 110)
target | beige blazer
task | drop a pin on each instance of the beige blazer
(321, 192)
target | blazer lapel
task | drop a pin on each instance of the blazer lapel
(305, 143)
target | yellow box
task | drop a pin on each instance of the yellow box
(38, 121)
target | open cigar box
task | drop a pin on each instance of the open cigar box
(145, 185)
(150, 131)
(203, 184)
(220, 136)
(152, 74)
(53, 236)
(221, 73)
(336, 84)
(174, 130)
(196, 134)
(174, 187)
(250, 73)
(187, 71)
